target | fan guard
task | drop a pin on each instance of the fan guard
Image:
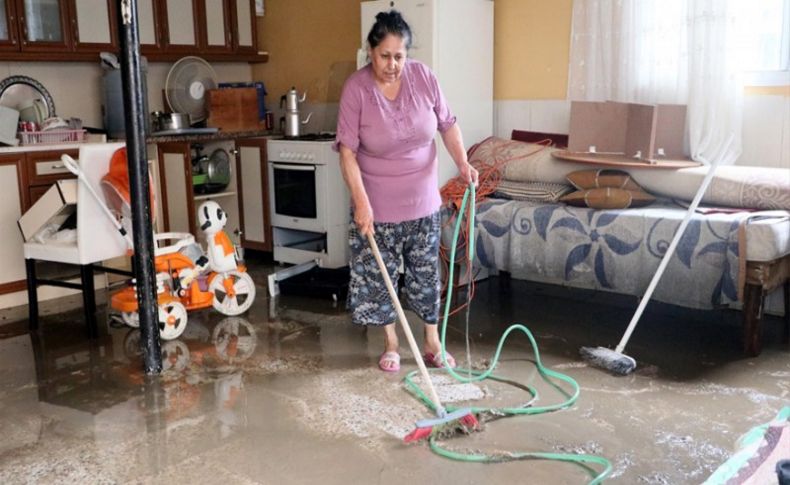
(186, 86)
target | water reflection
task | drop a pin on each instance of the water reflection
(55, 386)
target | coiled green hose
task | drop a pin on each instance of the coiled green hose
(550, 376)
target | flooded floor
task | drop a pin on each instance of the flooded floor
(290, 393)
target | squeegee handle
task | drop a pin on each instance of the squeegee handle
(415, 350)
(667, 256)
(74, 168)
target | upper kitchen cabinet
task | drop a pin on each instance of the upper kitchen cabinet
(181, 28)
(43, 25)
(215, 31)
(77, 30)
(245, 40)
(148, 21)
(93, 25)
(8, 37)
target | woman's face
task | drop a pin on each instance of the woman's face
(388, 58)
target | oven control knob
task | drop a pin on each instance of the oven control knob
(282, 154)
(303, 156)
(311, 157)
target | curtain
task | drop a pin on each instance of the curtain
(671, 51)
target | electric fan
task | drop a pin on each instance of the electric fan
(186, 85)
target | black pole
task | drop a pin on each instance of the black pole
(142, 233)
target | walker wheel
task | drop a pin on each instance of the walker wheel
(234, 339)
(131, 318)
(175, 356)
(233, 292)
(172, 320)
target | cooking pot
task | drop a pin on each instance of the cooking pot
(169, 121)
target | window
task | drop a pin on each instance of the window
(763, 29)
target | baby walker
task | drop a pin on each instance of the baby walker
(187, 278)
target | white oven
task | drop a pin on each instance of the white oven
(309, 202)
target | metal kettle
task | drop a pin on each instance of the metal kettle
(289, 124)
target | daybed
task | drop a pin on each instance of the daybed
(725, 259)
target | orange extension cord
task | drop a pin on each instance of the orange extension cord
(490, 172)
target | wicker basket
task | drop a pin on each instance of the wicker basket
(51, 137)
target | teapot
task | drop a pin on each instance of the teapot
(289, 124)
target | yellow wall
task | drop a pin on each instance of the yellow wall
(312, 45)
(531, 49)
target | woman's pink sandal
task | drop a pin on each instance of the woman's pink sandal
(389, 362)
(435, 360)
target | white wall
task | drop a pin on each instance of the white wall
(76, 86)
(766, 125)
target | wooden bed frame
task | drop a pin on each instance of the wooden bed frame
(761, 277)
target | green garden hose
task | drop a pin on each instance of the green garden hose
(550, 376)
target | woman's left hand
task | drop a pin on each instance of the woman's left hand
(468, 173)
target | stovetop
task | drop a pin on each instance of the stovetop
(324, 136)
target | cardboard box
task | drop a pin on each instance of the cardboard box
(641, 131)
(53, 208)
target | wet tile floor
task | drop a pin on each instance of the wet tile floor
(289, 393)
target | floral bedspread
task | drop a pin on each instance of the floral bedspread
(612, 250)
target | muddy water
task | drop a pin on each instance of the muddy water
(290, 394)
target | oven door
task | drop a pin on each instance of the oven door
(297, 195)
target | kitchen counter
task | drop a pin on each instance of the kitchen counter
(41, 147)
(220, 135)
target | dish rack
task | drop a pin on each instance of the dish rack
(51, 137)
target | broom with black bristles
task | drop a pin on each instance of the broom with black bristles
(615, 360)
(462, 419)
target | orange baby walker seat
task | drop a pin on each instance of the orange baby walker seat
(187, 278)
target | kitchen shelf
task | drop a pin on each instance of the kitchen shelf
(214, 196)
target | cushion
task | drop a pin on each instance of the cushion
(603, 177)
(535, 191)
(608, 198)
(732, 186)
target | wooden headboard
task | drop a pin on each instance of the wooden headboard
(559, 140)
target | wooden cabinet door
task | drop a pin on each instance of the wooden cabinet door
(180, 25)
(215, 26)
(175, 182)
(12, 186)
(93, 24)
(9, 40)
(44, 25)
(149, 25)
(245, 38)
(253, 194)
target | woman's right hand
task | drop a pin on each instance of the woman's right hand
(363, 218)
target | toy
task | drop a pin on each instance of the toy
(189, 280)
(186, 278)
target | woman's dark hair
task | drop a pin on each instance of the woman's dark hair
(389, 23)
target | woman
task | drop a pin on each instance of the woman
(389, 113)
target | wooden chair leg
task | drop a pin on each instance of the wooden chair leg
(752, 316)
(32, 294)
(786, 333)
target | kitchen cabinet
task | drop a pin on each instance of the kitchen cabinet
(246, 40)
(181, 25)
(43, 25)
(12, 278)
(24, 177)
(93, 25)
(44, 168)
(180, 199)
(76, 30)
(215, 24)
(253, 194)
(148, 19)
